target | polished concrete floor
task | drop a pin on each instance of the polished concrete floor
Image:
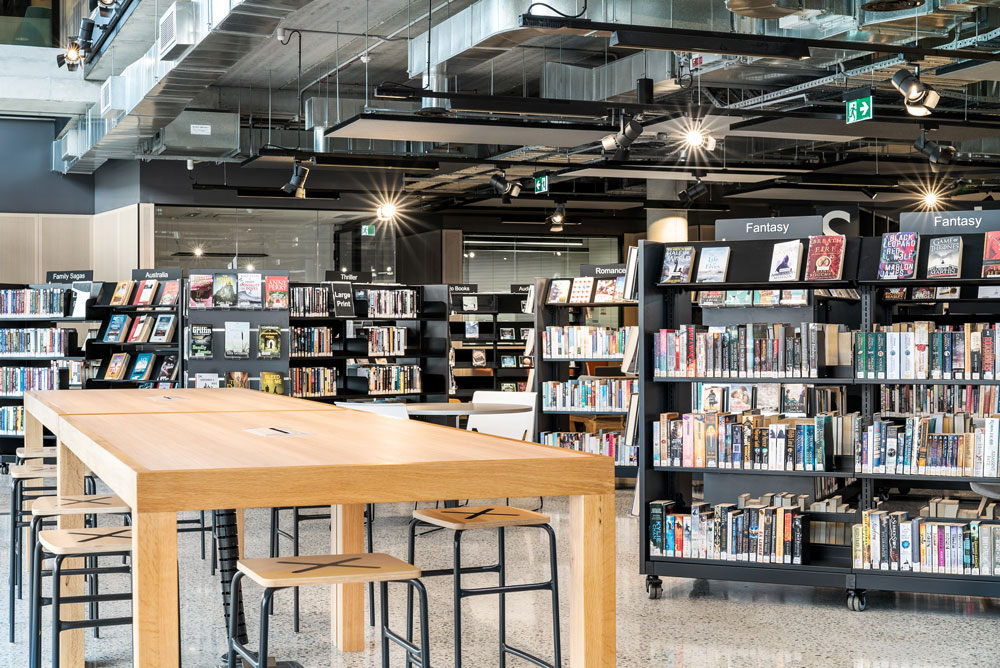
(697, 624)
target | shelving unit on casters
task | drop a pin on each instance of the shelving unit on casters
(666, 306)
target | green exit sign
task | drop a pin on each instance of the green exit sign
(860, 109)
(541, 184)
(368, 230)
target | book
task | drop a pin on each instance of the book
(478, 357)
(794, 297)
(527, 334)
(118, 328)
(163, 329)
(201, 342)
(678, 261)
(123, 289)
(767, 297)
(143, 368)
(769, 397)
(786, 260)
(630, 291)
(604, 290)
(712, 264)
(145, 292)
(894, 294)
(470, 303)
(944, 257)
(237, 339)
(472, 329)
(582, 290)
(168, 368)
(923, 294)
(898, 260)
(740, 398)
(825, 259)
(276, 293)
(948, 292)
(272, 382)
(711, 298)
(206, 380)
(526, 362)
(738, 297)
(559, 289)
(200, 291)
(248, 291)
(793, 399)
(506, 333)
(269, 342)
(712, 397)
(237, 379)
(508, 387)
(170, 292)
(988, 292)
(224, 291)
(507, 361)
(116, 367)
(142, 328)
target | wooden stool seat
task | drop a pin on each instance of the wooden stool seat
(99, 540)
(32, 471)
(80, 504)
(479, 517)
(327, 569)
(44, 453)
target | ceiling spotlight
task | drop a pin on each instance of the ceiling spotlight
(250, 267)
(918, 97)
(930, 199)
(697, 138)
(198, 251)
(70, 58)
(506, 189)
(619, 143)
(868, 192)
(557, 218)
(86, 36)
(385, 212)
(106, 7)
(693, 192)
(297, 184)
(936, 154)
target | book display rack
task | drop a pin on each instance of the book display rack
(572, 411)
(488, 333)
(937, 416)
(36, 349)
(139, 342)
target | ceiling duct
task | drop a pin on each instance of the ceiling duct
(203, 134)
(613, 81)
(771, 9)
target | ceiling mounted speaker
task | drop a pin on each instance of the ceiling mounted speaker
(890, 5)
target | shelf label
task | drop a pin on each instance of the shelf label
(343, 299)
(156, 274)
(462, 288)
(787, 227)
(950, 222)
(602, 270)
(520, 288)
(349, 276)
(69, 276)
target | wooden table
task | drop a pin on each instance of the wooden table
(47, 408)
(161, 464)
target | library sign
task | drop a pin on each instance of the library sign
(786, 227)
(349, 276)
(343, 299)
(950, 222)
(69, 276)
(602, 270)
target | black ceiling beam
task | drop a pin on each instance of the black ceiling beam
(709, 41)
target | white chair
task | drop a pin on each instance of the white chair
(395, 410)
(520, 426)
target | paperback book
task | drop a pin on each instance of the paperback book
(237, 339)
(145, 292)
(117, 366)
(168, 296)
(582, 290)
(118, 328)
(948, 292)
(269, 342)
(224, 291)
(143, 366)
(237, 379)
(785, 261)
(168, 368)
(276, 292)
(559, 289)
(740, 397)
(898, 260)
(163, 330)
(472, 329)
(794, 297)
(678, 262)
(478, 357)
(991, 255)
(248, 295)
(793, 399)
(944, 257)
(711, 298)
(201, 342)
(470, 303)
(271, 382)
(121, 294)
(766, 297)
(825, 260)
(604, 290)
(738, 297)
(712, 264)
(894, 294)
(206, 380)
(200, 288)
(506, 333)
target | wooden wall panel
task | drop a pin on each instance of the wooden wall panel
(19, 250)
(64, 242)
(116, 243)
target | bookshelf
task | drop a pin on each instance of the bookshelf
(101, 351)
(36, 349)
(565, 368)
(499, 342)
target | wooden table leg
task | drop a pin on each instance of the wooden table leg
(155, 617)
(241, 521)
(347, 614)
(592, 581)
(33, 433)
(70, 472)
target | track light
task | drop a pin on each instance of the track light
(71, 57)
(106, 7)
(506, 189)
(693, 192)
(619, 143)
(86, 37)
(868, 192)
(918, 97)
(936, 154)
(930, 199)
(385, 212)
(558, 218)
(698, 138)
(297, 184)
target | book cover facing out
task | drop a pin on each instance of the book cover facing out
(899, 256)
(785, 260)
(991, 255)
(944, 257)
(825, 261)
(677, 264)
(713, 264)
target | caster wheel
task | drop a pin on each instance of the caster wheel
(856, 601)
(654, 587)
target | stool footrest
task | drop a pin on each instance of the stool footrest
(465, 570)
(96, 598)
(100, 570)
(93, 623)
(526, 656)
(506, 589)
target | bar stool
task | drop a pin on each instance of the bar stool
(500, 518)
(331, 569)
(22, 455)
(19, 495)
(62, 544)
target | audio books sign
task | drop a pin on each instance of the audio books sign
(950, 222)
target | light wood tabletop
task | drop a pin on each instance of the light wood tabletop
(464, 408)
(164, 463)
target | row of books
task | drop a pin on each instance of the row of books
(29, 342)
(237, 341)
(390, 378)
(386, 341)
(919, 350)
(309, 302)
(229, 290)
(144, 328)
(575, 341)
(978, 400)
(588, 396)
(12, 420)
(15, 381)
(397, 303)
(41, 302)
(310, 341)
(148, 366)
(775, 534)
(824, 262)
(753, 442)
(721, 298)
(900, 251)
(312, 381)
(586, 290)
(609, 443)
(791, 399)
(754, 350)
(270, 381)
(892, 541)
(145, 292)
(942, 292)
(940, 445)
